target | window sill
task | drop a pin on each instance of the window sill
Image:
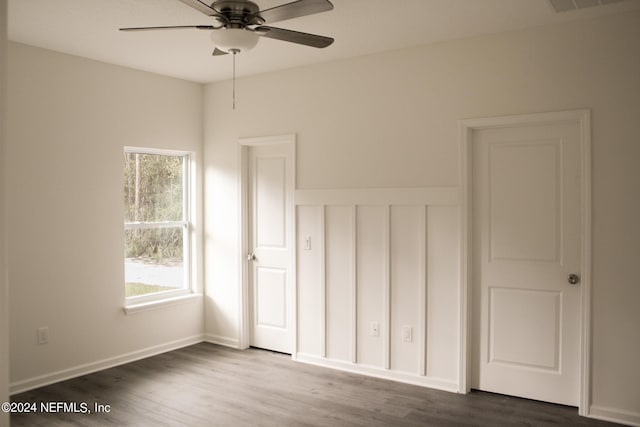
(154, 305)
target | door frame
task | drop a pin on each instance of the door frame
(466, 127)
(244, 319)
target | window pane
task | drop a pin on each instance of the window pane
(153, 187)
(154, 260)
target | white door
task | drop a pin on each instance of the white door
(270, 236)
(526, 244)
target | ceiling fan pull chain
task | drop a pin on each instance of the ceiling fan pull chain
(234, 51)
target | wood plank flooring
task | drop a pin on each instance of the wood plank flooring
(210, 385)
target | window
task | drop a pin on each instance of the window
(156, 224)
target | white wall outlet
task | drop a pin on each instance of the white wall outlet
(43, 335)
(374, 328)
(407, 334)
(307, 243)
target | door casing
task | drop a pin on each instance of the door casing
(244, 329)
(466, 127)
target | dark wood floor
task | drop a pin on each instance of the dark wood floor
(209, 385)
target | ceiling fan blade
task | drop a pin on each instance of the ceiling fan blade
(294, 10)
(218, 52)
(204, 8)
(173, 27)
(294, 36)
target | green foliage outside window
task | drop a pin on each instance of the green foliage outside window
(153, 192)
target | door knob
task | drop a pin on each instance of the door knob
(573, 279)
(251, 257)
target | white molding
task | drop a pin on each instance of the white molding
(464, 309)
(585, 333)
(289, 138)
(99, 365)
(353, 279)
(244, 331)
(523, 119)
(446, 196)
(158, 151)
(614, 415)
(376, 372)
(422, 294)
(161, 303)
(386, 299)
(323, 282)
(292, 308)
(223, 341)
(466, 127)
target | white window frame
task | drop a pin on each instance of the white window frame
(145, 301)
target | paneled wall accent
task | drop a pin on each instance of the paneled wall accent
(378, 284)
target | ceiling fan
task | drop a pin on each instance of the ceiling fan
(241, 23)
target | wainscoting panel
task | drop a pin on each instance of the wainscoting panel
(407, 286)
(311, 290)
(339, 250)
(442, 291)
(378, 282)
(372, 274)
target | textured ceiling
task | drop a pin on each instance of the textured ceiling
(89, 28)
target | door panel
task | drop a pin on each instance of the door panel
(524, 201)
(524, 327)
(271, 301)
(526, 241)
(270, 195)
(270, 230)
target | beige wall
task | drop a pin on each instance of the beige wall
(391, 120)
(68, 121)
(4, 296)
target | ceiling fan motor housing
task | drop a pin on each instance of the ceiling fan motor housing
(235, 37)
(238, 14)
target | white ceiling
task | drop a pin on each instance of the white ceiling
(89, 28)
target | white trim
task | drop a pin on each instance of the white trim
(158, 151)
(422, 294)
(386, 301)
(353, 283)
(614, 415)
(323, 282)
(244, 329)
(292, 308)
(159, 224)
(467, 127)
(289, 138)
(464, 309)
(585, 260)
(99, 365)
(161, 302)
(244, 319)
(223, 341)
(432, 196)
(377, 372)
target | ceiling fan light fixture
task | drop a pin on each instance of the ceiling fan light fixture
(234, 39)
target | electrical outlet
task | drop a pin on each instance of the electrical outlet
(374, 329)
(407, 333)
(43, 335)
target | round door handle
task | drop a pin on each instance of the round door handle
(251, 257)
(573, 279)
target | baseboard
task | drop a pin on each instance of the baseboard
(220, 340)
(614, 415)
(88, 368)
(372, 371)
